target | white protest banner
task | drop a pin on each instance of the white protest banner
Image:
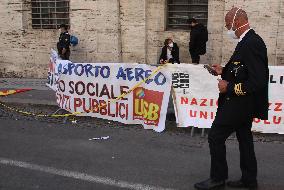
(54, 69)
(91, 88)
(196, 95)
(275, 122)
(52, 73)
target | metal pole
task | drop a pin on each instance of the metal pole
(203, 132)
(192, 131)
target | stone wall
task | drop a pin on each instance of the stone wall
(127, 31)
(265, 18)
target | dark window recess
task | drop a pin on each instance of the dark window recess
(179, 11)
(49, 14)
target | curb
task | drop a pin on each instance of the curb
(28, 101)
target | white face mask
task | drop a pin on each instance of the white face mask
(232, 33)
(171, 45)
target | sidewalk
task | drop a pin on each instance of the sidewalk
(40, 95)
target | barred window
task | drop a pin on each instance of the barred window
(49, 14)
(179, 11)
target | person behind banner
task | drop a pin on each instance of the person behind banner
(63, 45)
(170, 52)
(243, 96)
(198, 39)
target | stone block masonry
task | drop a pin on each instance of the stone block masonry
(126, 31)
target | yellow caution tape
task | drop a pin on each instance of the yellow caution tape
(100, 106)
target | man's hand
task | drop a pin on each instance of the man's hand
(162, 61)
(217, 68)
(64, 51)
(222, 85)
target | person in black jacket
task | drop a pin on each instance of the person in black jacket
(198, 39)
(170, 52)
(63, 45)
(243, 96)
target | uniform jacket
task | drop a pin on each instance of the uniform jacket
(198, 39)
(248, 76)
(175, 54)
(64, 42)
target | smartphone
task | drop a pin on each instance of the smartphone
(210, 70)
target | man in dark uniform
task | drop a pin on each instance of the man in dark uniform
(63, 45)
(198, 39)
(243, 96)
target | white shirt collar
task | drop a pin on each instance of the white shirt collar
(243, 35)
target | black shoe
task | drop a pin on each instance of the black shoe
(241, 184)
(209, 184)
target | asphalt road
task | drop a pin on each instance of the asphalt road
(39, 155)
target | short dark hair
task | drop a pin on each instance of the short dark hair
(64, 26)
(167, 41)
(192, 20)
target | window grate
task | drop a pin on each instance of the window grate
(179, 11)
(49, 14)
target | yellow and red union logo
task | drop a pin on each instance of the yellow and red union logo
(147, 105)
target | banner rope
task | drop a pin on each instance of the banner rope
(100, 106)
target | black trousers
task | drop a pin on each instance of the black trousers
(195, 58)
(217, 137)
(66, 55)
